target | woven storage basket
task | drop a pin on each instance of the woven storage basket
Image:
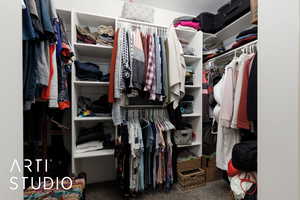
(191, 179)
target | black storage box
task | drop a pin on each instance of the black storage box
(232, 11)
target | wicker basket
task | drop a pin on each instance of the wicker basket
(191, 179)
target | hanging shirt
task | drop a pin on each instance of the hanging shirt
(158, 66)
(138, 63)
(252, 92)
(242, 121)
(111, 86)
(177, 68)
(242, 59)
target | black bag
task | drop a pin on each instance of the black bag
(207, 21)
(251, 193)
(244, 156)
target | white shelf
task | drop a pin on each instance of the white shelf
(207, 36)
(191, 59)
(93, 119)
(93, 19)
(192, 115)
(99, 153)
(91, 83)
(92, 50)
(185, 34)
(189, 145)
(235, 27)
(192, 86)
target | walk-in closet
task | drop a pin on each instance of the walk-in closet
(141, 99)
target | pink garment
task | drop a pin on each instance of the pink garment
(195, 25)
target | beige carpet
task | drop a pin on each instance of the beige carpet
(218, 190)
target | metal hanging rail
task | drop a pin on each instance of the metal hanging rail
(230, 51)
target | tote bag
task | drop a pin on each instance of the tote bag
(139, 12)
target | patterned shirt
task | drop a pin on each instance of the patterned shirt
(150, 75)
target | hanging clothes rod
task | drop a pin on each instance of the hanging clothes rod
(120, 20)
(145, 106)
(231, 51)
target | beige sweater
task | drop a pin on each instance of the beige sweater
(177, 67)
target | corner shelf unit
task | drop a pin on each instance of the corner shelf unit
(195, 41)
(99, 165)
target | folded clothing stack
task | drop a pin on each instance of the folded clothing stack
(189, 76)
(89, 108)
(95, 133)
(93, 139)
(103, 35)
(89, 146)
(89, 72)
(187, 23)
(245, 36)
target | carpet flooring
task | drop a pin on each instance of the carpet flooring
(218, 190)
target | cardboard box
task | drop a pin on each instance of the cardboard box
(254, 11)
(209, 165)
(189, 164)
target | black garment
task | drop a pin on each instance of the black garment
(247, 32)
(87, 71)
(29, 70)
(175, 116)
(122, 153)
(101, 105)
(209, 139)
(252, 92)
(91, 134)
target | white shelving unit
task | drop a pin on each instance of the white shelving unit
(195, 41)
(99, 165)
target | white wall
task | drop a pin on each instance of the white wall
(278, 64)
(11, 143)
(113, 8)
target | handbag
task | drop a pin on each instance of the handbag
(139, 12)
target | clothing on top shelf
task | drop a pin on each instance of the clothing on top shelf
(245, 36)
(186, 23)
(103, 35)
(47, 56)
(182, 18)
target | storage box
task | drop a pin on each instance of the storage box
(254, 11)
(189, 164)
(191, 179)
(183, 137)
(209, 165)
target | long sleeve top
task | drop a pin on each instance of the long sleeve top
(177, 67)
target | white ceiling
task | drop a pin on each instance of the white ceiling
(191, 7)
